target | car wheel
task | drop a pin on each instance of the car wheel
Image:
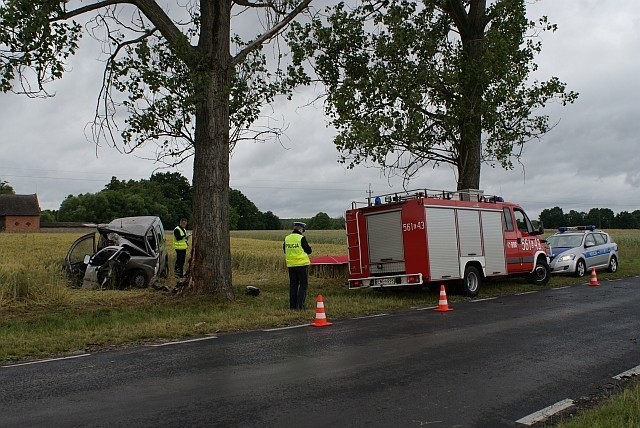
(471, 281)
(581, 268)
(613, 264)
(541, 273)
(138, 279)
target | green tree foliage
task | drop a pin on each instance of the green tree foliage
(270, 221)
(320, 221)
(553, 218)
(47, 216)
(575, 218)
(177, 76)
(6, 189)
(166, 195)
(317, 222)
(249, 216)
(600, 217)
(434, 82)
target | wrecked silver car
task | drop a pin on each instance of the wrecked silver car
(127, 252)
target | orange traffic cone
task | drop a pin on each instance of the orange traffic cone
(321, 318)
(443, 306)
(594, 279)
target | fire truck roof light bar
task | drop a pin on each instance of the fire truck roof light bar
(462, 195)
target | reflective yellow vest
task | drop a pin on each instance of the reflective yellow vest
(180, 244)
(294, 254)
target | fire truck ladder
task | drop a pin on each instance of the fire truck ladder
(353, 242)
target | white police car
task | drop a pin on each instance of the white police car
(575, 250)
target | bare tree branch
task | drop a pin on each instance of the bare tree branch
(149, 8)
(274, 31)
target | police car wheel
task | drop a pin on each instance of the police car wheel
(581, 268)
(613, 264)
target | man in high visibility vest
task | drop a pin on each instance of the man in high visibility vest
(296, 250)
(180, 244)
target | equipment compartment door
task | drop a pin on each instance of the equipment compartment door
(442, 239)
(493, 241)
(386, 250)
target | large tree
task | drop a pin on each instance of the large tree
(181, 76)
(415, 83)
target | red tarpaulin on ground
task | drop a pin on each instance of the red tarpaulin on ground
(330, 260)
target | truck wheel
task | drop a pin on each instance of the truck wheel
(138, 279)
(471, 281)
(581, 268)
(613, 265)
(542, 273)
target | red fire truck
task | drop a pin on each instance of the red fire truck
(428, 237)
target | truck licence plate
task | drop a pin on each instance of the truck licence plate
(386, 281)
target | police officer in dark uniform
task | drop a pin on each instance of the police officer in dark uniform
(297, 250)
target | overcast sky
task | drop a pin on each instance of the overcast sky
(591, 158)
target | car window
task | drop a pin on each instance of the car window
(568, 241)
(151, 239)
(102, 256)
(589, 240)
(600, 238)
(159, 235)
(508, 223)
(521, 221)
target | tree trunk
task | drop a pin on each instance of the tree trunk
(210, 268)
(472, 27)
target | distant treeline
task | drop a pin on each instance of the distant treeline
(168, 196)
(603, 218)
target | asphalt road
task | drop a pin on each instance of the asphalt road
(487, 363)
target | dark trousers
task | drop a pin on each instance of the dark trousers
(181, 255)
(298, 283)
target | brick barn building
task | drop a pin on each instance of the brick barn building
(19, 213)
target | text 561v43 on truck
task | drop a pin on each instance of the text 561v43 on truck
(433, 236)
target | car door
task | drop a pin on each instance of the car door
(521, 243)
(74, 262)
(602, 256)
(590, 250)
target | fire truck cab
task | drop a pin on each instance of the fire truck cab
(428, 237)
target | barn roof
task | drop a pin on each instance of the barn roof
(19, 205)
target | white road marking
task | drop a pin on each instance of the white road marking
(428, 307)
(543, 414)
(525, 292)
(47, 360)
(561, 288)
(184, 341)
(483, 300)
(286, 328)
(369, 316)
(632, 372)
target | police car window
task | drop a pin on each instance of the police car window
(508, 224)
(589, 239)
(600, 239)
